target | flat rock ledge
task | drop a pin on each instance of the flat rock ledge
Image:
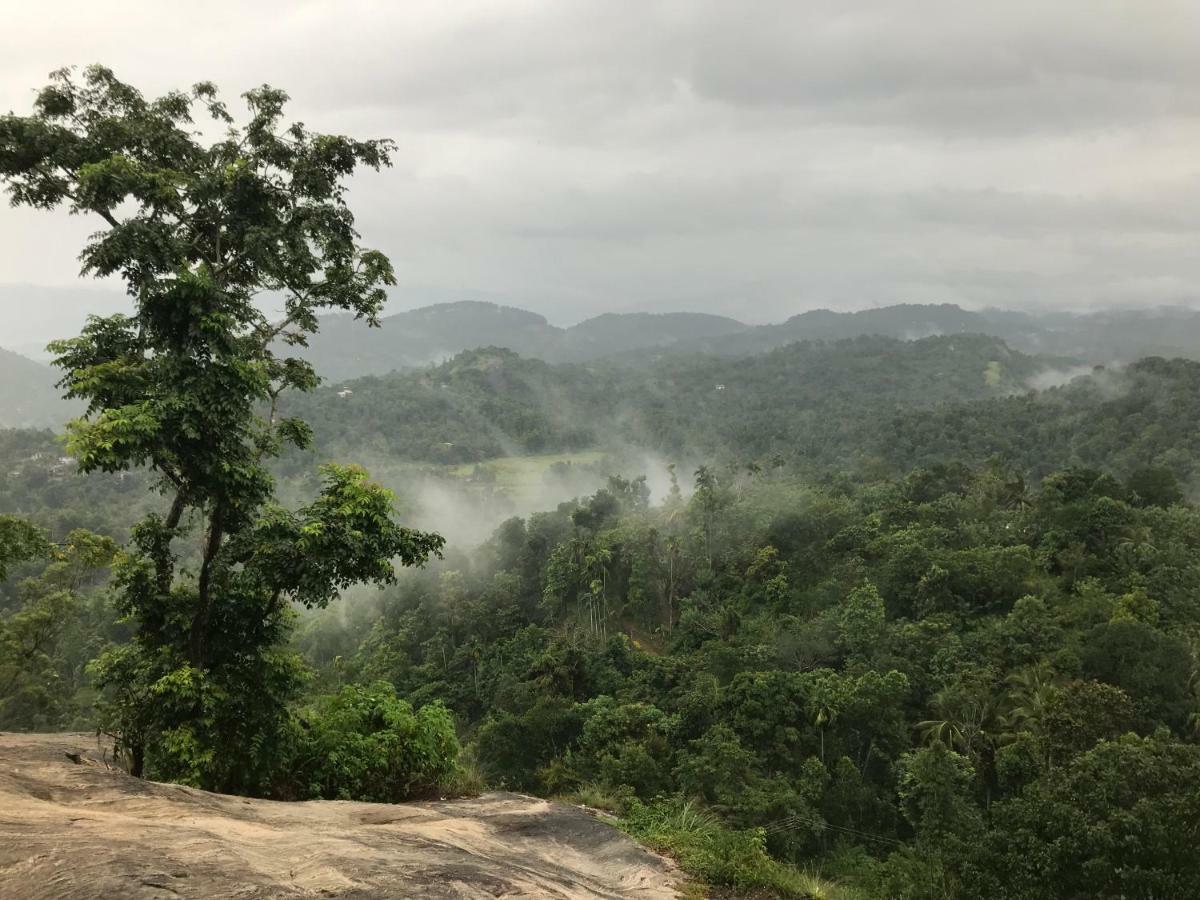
(82, 829)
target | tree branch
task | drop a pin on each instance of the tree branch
(107, 217)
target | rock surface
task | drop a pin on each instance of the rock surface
(82, 830)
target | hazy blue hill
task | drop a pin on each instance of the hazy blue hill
(28, 397)
(903, 322)
(432, 334)
(614, 333)
(910, 321)
(1116, 335)
(344, 348)
(1099, 337)
(457, 320)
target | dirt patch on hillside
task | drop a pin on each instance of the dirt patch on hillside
(83, 830)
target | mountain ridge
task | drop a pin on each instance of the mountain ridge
(433, 334)
(346, 349)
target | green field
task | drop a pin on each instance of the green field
(993, 373)
(520, 475)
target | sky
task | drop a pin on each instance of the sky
(743, 157)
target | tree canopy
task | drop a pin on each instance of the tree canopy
(202, 233)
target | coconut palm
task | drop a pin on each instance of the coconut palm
(1029, 692)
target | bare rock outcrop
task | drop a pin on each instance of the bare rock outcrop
(71, 827)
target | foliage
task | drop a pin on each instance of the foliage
(20, 541)
(712, 853)
(55, 630)
(1119, 821)
(880, 669)
(187, 388)
(364, 743)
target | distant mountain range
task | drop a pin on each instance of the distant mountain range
(33, 315)
(345, 348)
(28, 396)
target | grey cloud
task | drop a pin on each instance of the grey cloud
(752, 159)
(960, 67)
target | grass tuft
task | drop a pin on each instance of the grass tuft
(718, 856)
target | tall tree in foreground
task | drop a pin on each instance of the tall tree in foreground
(188, 386)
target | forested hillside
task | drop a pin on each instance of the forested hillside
(869, 405)
(909, 683)
(895, 682)
(909, 616)
(900, 619)
(858, 409)
(491, 402)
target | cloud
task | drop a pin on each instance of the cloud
(750, 159)
(955, 68)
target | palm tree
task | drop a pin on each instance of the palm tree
(596, 565)
(945, 730)
(672, 562)
(1028, 695)
(970, 725)
(824, 712)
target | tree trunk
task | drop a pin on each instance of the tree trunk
(670, 590)
(164, 569)
(176, 513)
(198, 639)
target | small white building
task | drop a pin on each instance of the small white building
(345, 392)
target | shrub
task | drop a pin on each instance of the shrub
(365, 743)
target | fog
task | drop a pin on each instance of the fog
(466, 504)
(467, 511)
(466, 514)
(1108, 380)
(1052, 378)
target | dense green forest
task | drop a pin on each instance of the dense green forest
(491, 402)
(902, 618)
(905, 626)
(909, 685)
(858, 407)
(913, 682)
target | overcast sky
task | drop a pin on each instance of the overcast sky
(741, 157)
